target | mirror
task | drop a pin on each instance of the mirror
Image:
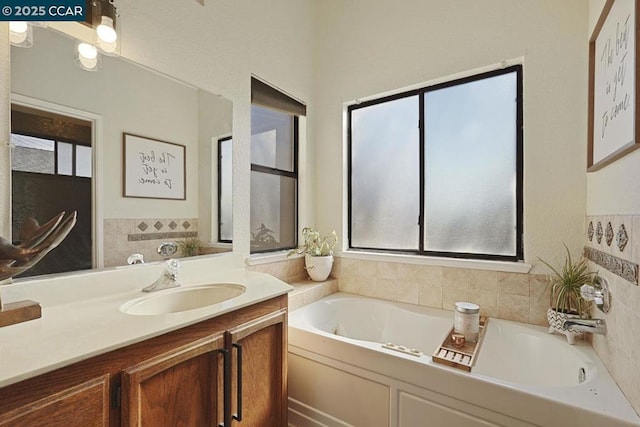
(75, 120)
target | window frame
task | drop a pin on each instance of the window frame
(519, 166)
(220, 142)
(289, 174)
(56, 143)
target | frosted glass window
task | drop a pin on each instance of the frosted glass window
(470, 167)
(65, 158)
(438, 170)
(385, 171)
(273, 212)
(83, 161)
(272, 138)
(31, 154)
(226, 192)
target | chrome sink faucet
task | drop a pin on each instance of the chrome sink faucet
(168, 279)
(594, 326)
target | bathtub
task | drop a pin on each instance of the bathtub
(341, 375)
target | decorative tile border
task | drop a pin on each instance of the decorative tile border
(157, 236)
(623, 268)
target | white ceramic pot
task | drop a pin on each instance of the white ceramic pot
(318, 267)
(556, 319)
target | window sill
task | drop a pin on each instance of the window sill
(504, 266)
(266, 258)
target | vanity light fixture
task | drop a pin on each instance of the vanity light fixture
(20, 34)
(87, 56)
(105, 13)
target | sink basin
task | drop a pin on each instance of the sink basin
(182, 299)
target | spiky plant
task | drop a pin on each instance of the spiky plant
(189, 246)
(565, 286)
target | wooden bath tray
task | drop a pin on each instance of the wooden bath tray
(460, 357)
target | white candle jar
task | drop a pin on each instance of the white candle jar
(466, 320)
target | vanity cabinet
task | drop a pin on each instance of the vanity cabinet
(180, 387)
(230, 370)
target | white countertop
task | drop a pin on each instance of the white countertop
(81, 316)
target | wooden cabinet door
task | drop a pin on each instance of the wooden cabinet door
(83, 405)
(182, 387)
(259, 371)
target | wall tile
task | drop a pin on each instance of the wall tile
(386, 270)
(385, 289)
(430, 294)
(513, 283)
(408, 292)
(513, 307)
(455, 287)
(539, 294)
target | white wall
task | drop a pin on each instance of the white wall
(368, 47)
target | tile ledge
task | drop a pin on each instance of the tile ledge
(505, 266)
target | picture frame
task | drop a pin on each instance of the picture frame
(152, 168)
(613, 122)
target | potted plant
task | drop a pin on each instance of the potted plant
(565, 299)
(318, 253)
(189, 247)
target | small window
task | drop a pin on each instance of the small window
(65, 158)
(83, 161)
(274, 168)
(438, 171)
(225, 191)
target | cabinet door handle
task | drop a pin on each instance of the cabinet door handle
(226, 388)
(238, 415)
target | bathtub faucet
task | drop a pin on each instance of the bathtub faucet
(594, 326)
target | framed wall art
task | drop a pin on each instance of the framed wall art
(613, 91)
(152, 168)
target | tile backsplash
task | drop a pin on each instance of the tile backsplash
(511, 296)
(123, 237)
(619, 349)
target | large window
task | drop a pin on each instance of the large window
(274, 169)
(438, 171)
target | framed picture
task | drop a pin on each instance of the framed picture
(153, 169)
(614, 128)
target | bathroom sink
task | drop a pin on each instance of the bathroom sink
(182, 299)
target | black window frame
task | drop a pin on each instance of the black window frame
(519, 249)
(220, 141)
(289, 174)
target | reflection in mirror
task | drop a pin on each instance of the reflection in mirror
(67, 137)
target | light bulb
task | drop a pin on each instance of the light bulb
(18, 26)
(87, 51)
(88, 63)
(87, 57)
(106, 32)
(18, 31)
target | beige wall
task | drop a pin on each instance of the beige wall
(613, 195)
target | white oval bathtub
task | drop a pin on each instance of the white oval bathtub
(522, 376)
